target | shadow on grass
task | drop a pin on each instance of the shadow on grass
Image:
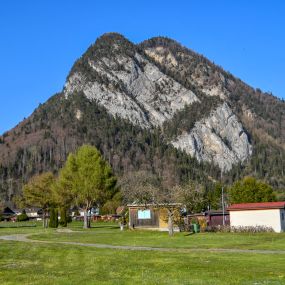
(189, 234)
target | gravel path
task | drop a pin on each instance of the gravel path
(24, 238)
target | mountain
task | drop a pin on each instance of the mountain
(155, 106)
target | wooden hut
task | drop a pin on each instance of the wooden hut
(151, 216)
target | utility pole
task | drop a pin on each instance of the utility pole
(223, 204)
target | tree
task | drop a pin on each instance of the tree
(250, 190)
(144, 188)
(139, 186)
(63, 191)
(92, 180)
(192, 195)
(111, 206)
(1, 206)
(214, 196)
(38, 193)
(53, 221)
(1, 209)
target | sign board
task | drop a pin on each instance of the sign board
(143, 214)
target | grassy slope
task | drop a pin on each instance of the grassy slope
(22, 263)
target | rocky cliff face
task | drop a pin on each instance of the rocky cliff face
(135, 89)
(218, 138)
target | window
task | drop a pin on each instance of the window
(143, 214)
(282, 216)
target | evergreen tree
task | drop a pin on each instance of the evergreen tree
(93, 182)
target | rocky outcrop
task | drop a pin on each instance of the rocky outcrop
(213, 85)
(219, 138)
(137, 91)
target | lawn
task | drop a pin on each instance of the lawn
(35, 263)
(105, 233)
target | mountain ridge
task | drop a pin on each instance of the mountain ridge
(153, 94)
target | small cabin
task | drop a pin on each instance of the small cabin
(8, 214)
(150, 216)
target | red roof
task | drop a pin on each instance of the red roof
(257, 206)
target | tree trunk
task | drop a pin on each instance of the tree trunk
(85, 225)
(63, 217)
(170, 223)
(89, 219)
(44, 219)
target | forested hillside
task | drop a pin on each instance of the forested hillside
(133, 102)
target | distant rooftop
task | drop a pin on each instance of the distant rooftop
(256, 206)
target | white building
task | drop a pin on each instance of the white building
(269, 214)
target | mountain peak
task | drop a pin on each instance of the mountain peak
(158, 41)
(154, 106)
(112, 37)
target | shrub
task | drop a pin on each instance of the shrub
(22, 217)
(240, 229)
(203, 224)
(194, 220)
(250, 229)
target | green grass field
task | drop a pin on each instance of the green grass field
(54, 263)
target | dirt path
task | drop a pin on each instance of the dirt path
(24, 238)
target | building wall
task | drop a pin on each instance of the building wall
(163, 223)
(268, 218)
(217, 220)
(136, 222)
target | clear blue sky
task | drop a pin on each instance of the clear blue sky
(40, 40)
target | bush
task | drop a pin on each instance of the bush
(194, 220)
(22, 217)
(249, 229)
(203, 224)
(240, 229)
